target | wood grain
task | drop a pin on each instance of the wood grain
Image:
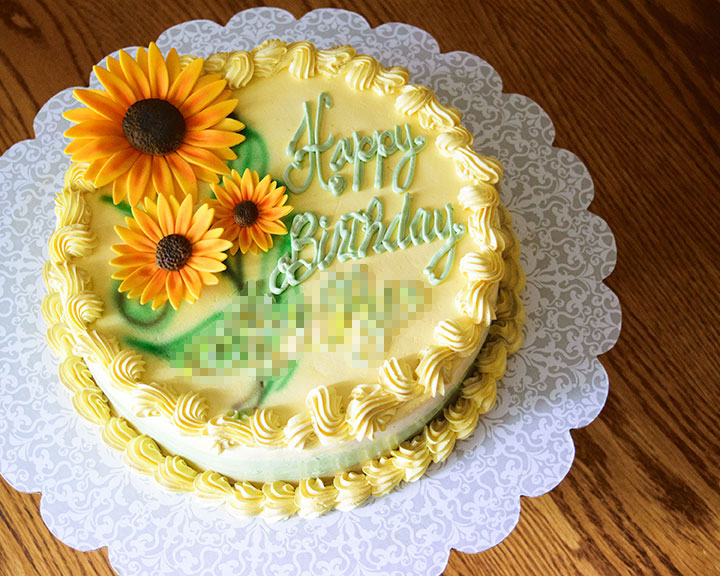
(633, 89)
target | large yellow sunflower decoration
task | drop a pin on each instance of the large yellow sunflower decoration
(249, 210)
(154, 129)
(170, 253)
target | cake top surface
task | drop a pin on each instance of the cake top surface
(359, 256)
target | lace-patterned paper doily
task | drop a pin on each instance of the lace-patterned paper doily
(471, 501)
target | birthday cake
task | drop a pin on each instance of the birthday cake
(280, 278)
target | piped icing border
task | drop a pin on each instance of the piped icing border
(329, 418)
(310, 497)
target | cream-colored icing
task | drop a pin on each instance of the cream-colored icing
(380, 475)
(66, 281)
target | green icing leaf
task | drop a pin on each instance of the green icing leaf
(123, 206)
(251, 153)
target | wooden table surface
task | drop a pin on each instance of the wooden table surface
(633, 88)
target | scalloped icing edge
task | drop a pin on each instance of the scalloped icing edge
(310, 497)
(366, 412)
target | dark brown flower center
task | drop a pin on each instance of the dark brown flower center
(173, 252)
(245, 213)
(154, 126)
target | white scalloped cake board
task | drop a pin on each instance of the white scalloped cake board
(470, 502)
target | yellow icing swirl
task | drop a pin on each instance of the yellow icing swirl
(190, 414)
(92, 405)
(352, 490)
(328, 420)
(154, 401)
(51, 309)
(370, 410)
(462, 417)
(413, 458)
(397, 378)
(383, 475)
(246, 499)
(71, 208)
(212, 486)
(237, 67)
(82, 309)
(313, 498)
(299, 431)
(440, 439)
(74, 373)
(434, 369)
(117, 432)
(72, 240)
(176, 475)
(330, 62)
(460, 335)
(266, 428)
(126, 370)
(267, 57)
(143, 454)
(60, 339)
(279, 502)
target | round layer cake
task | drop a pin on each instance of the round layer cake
(279, 267)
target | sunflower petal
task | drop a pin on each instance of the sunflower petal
(159, 300)
(183, 174)
(133, 72)
(202, 97)
(159, 78)
(185, 82)
(244, 240)
(102, 147)
(172, 61)
(138, 179)
(260, 238)
(205, 264)
(224, 197)
(100, 103)
(271, 226)
(161, 176)
(211, 247)
(142, 59)
(201, 221)
(116, 165)
(116, 87)
(136, 259)
(210, 115)
(226, 154)
(213, 138)
(150, 228)
(92, 171)
(229, 124)
(78, 115)
(154, 286)
(119, 187)
(140, 276)
(184, 216)
(203, 158)
(165, 216)
(275, 213)
(94, 128)
(175, 289)
(137, 241)
(192, 280)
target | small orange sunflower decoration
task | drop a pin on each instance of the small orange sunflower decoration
(155, 129)
(170, 253)
(249, 211)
